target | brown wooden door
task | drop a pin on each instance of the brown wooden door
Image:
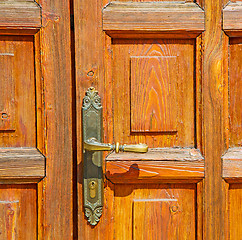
(169, 75)
(36, 196)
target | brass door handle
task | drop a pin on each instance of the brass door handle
(92, 144)
(92, 128)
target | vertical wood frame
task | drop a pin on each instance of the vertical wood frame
(215, 124)
(54, 113)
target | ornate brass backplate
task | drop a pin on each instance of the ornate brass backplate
(92, 168)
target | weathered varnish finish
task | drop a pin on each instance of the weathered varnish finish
(20, 15)
(21, 164)
(169, 75)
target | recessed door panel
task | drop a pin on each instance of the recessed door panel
(153, 85)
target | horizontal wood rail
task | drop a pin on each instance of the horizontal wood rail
(21, 165)
(150, 17)
(165, 164)
(232, 19)
(20, 15)
(232, 165)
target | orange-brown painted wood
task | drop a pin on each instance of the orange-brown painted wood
(235, 91)
(18, 212)
(56, 190)
(153, 78)
(17, 102)
(116, 72)
(21, 164)
(20, 15)
(232, 164)
(181, 87)
(153, 16)
(232, 19)
(235, 211)
(156, 165)
(160, 210)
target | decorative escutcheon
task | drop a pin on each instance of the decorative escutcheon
(92, 161)
(92, 155)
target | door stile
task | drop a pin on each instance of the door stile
(55, 192)
(214, 78)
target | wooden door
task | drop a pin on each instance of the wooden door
(169, 75)
(36, 200)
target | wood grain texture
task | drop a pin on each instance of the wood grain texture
(235, 91)
(232, 164)
(90, 71)
(232, 19)
(163, 214)
(214, 127)
(18, 212)
(122, 51)
(157, 164)
(19, 91)
(7, 86)
(235, 211)
(56, 205)
(9, 214)
(162, 154)
(20, 14)
(173, 204)
(153, 16)
(21, 163)
(153, 94)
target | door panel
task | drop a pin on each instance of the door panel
(18, 212)
(235, 211)
(155, 211)
(153, 85)
(17, 104)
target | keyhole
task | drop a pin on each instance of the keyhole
(92, 187)
(92, 184)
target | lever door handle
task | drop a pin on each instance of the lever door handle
(92, 157)
(92, 144)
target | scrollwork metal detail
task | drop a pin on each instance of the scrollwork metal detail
(92, 161)
(93, 216)
(92, 99)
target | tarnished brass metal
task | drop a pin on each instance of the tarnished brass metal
(92, 187)
(92, 161)
(93, 145)
(92, 156)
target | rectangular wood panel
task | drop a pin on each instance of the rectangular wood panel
(9, 214)
(149, 55)
(17, 100)
(153, 93)
(235, 211)
(18, 212)
(7, 86)
(235, 91)
(155, 211)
